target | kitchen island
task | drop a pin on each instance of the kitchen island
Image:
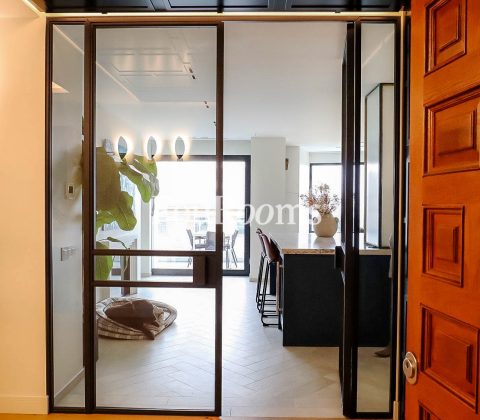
(312, 292)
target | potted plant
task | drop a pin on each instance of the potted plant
(115, 205)
(321, 199)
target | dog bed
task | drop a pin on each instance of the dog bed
(106, 327)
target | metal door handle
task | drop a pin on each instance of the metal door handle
(410, 368)
(338, 258)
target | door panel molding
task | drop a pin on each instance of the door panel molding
(450, 354)
(443, 244)
(446, 35)
(451, 135)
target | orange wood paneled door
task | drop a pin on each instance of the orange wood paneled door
(443, 317)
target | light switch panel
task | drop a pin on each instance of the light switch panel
(66, 252)
(69, 191)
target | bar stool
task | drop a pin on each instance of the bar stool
(260, 269)
(274, 262)
(261, 276)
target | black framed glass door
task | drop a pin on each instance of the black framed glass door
(132, 97)
(166, 75)
(366, 256)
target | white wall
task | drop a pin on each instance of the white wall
(326, 157)
(292, 186)
(22, 215)
(230, 147)
(304, 185)
(268, 187)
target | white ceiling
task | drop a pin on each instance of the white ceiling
(161, 64)
(281, 79)
(284, 80)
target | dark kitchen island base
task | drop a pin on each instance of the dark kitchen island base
(313, 294)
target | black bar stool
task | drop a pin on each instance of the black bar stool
(274, 264)
(260, 269)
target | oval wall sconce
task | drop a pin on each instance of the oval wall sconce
(179, 148)
(151, 148)
(122, 147)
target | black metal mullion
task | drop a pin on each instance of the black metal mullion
(348, 223)
(219, 235)
(48, 216)
(89, 218)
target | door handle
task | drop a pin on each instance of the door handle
(410, 368)
(338, 260)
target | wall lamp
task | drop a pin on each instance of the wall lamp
(122, 147)
(179, 148)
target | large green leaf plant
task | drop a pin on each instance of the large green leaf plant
(116, 205)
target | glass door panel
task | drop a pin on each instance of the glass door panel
(375, 267)
(167, 364)
(66, 253)
(155, 98)
(158, 233)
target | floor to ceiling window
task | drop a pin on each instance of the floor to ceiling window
(183, 216)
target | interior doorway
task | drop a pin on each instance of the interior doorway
(161, 223)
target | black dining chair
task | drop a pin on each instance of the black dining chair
(261, 269)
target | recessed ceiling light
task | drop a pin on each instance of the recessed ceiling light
(58, 89)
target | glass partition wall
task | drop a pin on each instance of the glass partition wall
(376, 243)
(139, 223)
(66, 230)
(367, 255)
(123, 179)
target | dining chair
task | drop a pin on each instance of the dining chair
(232, 250)
(193, 245)
(261, 267)
(210, 241)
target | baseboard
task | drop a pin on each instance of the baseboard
(23, 404)
(72, 383)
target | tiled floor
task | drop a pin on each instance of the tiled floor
(260, 377)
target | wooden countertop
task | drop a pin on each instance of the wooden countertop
(309, 243)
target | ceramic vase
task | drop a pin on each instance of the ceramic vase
(325, 226)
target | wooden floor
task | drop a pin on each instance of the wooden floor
(261, 378)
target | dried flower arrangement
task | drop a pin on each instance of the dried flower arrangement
(321, 199)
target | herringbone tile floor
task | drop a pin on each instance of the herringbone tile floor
(176, 371)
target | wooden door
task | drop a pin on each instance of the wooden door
(443, 317)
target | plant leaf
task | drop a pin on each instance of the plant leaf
(117, 241)
(107, 180)
(144, 165)
(143, 185)
(123, 212)
(103, 263)
(103, 218)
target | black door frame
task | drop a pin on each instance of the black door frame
(347, 365)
